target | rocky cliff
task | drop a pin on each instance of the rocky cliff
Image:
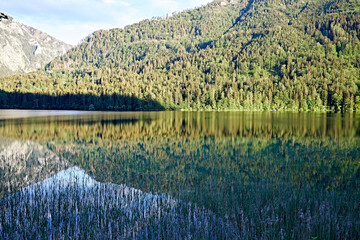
(25, 49)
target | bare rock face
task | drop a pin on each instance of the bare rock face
(24, 49)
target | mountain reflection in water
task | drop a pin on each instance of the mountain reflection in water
(71, 204)
(232, 174)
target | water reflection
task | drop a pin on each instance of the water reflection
(23, 163)
(264, 173)
(189, 124)
(71, 204)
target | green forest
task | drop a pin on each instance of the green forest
(287, 55)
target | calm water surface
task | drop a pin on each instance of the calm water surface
(177, 175)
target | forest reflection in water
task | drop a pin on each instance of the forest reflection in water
(271, 175)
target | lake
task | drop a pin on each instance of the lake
(179, 175)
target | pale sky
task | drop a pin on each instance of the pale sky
(73, 20)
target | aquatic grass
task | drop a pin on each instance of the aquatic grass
(70, 205)
(59, 210)
(275, 192)
(265, 213)
(23, 163)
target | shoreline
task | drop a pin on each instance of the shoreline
(29, 113)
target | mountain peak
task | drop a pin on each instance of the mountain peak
(3, 16)
(25, 49)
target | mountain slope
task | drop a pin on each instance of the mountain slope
(229, 55)
(149, 40)
(25, 49)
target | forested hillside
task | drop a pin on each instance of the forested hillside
(228, 55)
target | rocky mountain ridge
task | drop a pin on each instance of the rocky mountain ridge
(24, 49)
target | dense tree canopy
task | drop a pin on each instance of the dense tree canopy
(227, 55)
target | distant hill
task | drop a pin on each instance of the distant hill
(24, 49)
(300, 55)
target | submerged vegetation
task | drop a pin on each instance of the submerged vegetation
(300, 55)
(247, 175)
(72, 205)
